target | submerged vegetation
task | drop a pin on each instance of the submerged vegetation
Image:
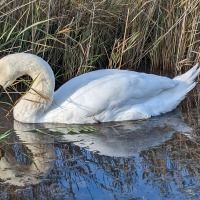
(81, 35)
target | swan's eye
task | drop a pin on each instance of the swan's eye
(1, 153)
(1, 89)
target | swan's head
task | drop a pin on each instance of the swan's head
(16, 65)
(9, 71)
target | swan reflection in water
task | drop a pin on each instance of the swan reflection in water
(29, 160)
(110, 160)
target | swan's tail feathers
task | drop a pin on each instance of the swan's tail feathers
(186, 82)
(191, 87)
(190, 75)
(186, 91)
(170, 98)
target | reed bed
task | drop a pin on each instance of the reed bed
(77, 36)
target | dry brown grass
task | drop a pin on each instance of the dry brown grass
(81, 35)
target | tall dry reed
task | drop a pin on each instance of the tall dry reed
(76, 36)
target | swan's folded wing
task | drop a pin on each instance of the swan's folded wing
(115, 90)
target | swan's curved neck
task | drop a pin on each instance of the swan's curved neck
(38, 98)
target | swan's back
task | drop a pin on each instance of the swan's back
(107, 95)
(109, 79)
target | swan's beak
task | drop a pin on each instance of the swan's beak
(1, 89)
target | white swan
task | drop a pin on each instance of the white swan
(99, 96)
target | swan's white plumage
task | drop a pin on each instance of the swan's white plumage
(103, 95)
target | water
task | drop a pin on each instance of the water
(157, 158)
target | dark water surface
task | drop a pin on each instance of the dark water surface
(157, 158)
